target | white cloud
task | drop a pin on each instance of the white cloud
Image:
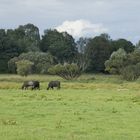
(80, 28)
(121, 17)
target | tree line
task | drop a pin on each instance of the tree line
(24, 45)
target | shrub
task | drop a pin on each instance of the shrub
(131, 72)
(116, 61)
(42, 61)
(66, 71)
(24, 67)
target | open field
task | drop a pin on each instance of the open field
(94, 107)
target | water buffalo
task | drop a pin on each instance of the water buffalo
(32, 84)
(53, 84)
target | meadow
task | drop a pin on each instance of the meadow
(93, 107)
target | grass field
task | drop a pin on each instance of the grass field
(93, 107)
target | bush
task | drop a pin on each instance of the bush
(42, 61)
(116, 61)
(66, 71)
(24, 67)
(131, 72)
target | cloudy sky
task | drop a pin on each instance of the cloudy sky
(119, 18)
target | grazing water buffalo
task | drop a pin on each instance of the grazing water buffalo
(32, 84)
(53, 84)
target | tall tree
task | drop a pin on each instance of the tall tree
(13, 42)
(124, 44)
(60, 45)
(8, 49)
(81, 44)
(98, 50)
(29, 36)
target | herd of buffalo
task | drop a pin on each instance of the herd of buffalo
(36, 85)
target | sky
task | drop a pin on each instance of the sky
(87, 18)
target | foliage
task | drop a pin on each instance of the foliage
(12, 65)
(24, 67)
(134, 57)
(124, 44)
(66, 71)
(131, 72)
(14, 42)
(8, 49)
(98, 50)
(27, 36)
(128, 65)
(89, 54)
(60, 45)
(116, 61)
(42, 61)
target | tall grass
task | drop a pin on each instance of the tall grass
(86, 81)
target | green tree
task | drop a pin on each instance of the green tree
(12, 65)
(28, 35)
(134, 57)
(116, 61)
(14, 42)
(66, 71)
(24, 67)
(106, 36)
(124, 44)
(98, 50)
(60, 45)
(3, 60)
(42, 61)
(8, 49)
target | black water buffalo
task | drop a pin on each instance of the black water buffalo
(31, 84)
(53, 84)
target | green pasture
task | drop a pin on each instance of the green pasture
(93, 107)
